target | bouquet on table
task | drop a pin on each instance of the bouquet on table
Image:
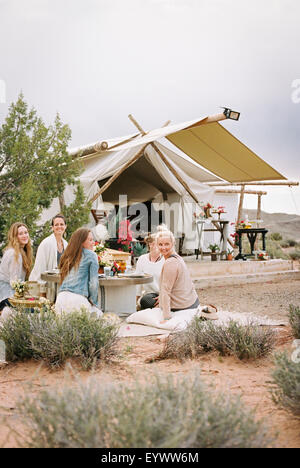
(116, 268)
(104, 257)
(20, 287)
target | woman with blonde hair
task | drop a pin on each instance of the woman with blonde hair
(16, 261)
(150, 263)
(177, 291)
(79, 274)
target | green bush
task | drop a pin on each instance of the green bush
(243, 341)
(276, 236)
(295, 255)
(291, 242)
(163, 413)
(56, 338)
(294, 319)
(274, 250)
(284, 244)
(286, 384)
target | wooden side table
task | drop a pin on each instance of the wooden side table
(219, 225)
(251, 235)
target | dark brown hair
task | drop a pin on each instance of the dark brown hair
(58, 216)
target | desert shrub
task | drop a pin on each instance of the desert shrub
(295, 254)
(16, 334)
(243, 341)
(56, 338)
(163, 413)
(294, 319)
(276, 236)
(291, 242)
(286, 383)
(274, 249)
(284, 244)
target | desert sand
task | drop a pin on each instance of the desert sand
(249, 379)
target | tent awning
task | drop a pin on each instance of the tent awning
(216, 149)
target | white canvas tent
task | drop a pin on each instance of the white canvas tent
(142, 168)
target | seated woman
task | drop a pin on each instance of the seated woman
(50, 249)
(150, 263)
(16, 262)
(177, 291)
(79, 275)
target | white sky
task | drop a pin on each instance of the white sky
(96, 61)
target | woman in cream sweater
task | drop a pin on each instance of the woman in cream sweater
(50, 249)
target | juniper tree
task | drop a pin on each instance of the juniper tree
(35, 168)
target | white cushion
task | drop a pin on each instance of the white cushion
(153, 317)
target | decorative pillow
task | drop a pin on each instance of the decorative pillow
(153, 317)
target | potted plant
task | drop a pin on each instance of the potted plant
(229, 254)
(213, 248)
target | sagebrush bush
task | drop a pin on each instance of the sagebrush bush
(291, 242)
(276, 236)
(286, 383)
(294, 319)
(163, 413)
(243, 341)
(274, 249)
(295, 255)
(56, 338)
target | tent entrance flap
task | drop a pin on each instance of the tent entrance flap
(140, 182)
(217, 150)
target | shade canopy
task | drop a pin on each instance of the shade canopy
(216, 149)
(208, 144)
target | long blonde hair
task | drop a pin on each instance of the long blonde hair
(13, 243)
(72, 255)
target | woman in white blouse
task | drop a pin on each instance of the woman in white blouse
(50, 249)
(150, 263)
(16, 261)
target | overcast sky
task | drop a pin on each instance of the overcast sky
(96, 61)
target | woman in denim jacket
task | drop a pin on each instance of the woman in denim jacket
(79, 275)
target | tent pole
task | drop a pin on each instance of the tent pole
(170, 167)
(241, 204)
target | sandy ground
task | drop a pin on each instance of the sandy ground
(249, 379)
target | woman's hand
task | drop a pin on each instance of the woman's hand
(156, 304)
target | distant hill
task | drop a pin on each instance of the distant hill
(287, 225)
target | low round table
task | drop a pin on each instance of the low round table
(116, 294)
(25, 302)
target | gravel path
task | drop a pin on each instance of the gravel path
(269, 299)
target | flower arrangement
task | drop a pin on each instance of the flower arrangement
(104, 258)
(125, 236)
(262, 255)
(244, 225)
(20, 287)
(235, 238)
(206, 209)
(116, 268)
